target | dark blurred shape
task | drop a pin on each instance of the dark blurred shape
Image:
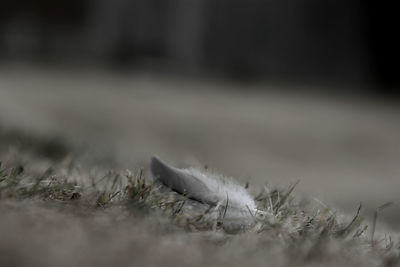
(341, 42)
(383, 43)
(52, 148)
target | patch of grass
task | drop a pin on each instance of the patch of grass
(303, 234)
(306, 234)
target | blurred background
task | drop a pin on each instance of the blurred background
(266, 91)
(341, 42)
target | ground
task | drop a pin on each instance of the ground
(92, 124)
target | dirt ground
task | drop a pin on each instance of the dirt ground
(343, 150)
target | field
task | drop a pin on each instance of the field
(75, 189)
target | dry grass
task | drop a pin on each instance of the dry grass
(72, 214)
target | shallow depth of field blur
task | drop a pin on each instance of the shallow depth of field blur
(268, 92)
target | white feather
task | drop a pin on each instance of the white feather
(225, 189)
(206, 187)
